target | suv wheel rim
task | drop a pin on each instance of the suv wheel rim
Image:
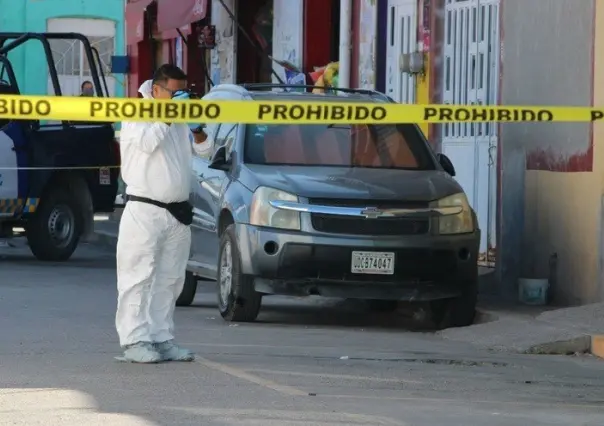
(61, 223)
(226, 273)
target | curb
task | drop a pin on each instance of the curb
(586, 344)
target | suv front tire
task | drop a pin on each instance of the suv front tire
(237, 299)
(459, 311)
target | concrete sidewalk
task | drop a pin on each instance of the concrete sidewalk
(544, 330)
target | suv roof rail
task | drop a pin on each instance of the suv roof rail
(267, 86)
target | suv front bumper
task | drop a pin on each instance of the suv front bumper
(427, 267)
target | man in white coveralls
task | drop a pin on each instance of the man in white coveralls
(154, 235)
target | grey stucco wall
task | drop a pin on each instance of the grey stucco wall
(546, 60)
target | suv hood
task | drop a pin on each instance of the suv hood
(352, 183)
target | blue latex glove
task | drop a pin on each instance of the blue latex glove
(183, 95)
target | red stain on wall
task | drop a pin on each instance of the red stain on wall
(548, 159)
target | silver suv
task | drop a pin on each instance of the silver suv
(364, 212)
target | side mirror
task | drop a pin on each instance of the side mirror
(446, 164)
(219, 160)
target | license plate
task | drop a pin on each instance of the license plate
(104, 176)
(372, 262)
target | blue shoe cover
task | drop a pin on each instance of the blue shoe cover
(141, 353)
(169, 351)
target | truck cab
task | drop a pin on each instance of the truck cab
(54, 176)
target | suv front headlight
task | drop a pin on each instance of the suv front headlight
(263, 214)
(460, 223)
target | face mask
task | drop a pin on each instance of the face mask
(88, 92)
(181, 95)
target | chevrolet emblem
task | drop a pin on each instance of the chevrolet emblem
(371, 213)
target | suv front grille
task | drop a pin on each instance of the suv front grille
(336, 224)
(333, 263)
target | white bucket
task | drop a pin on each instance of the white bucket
(533, 291)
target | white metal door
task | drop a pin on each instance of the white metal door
(471, 64)
(402, 38)
(69, 56)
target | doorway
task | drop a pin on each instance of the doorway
(471, 77)
(334, 37)
(69, 56)
(253, 63)
(402, 39)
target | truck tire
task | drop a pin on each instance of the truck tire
(459, 311)
(237, 299)
(187, 295)
(54, 230)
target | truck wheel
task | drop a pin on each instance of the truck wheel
(237, 299)
(459, 311)
(54, 230)
(188, 291)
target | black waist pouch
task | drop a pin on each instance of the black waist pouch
(182, 211)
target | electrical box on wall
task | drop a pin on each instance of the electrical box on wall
(412, 63)
(120, 64)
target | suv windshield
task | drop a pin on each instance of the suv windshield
(373, 146)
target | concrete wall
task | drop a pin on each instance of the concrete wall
(550, 199)
(223, 65)
(31, 15)
(288, 34)
(367, 46)
(596, 198)
(288, 38)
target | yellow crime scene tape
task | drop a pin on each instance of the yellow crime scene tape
(86, 109)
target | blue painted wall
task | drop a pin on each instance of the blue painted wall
(32, 15)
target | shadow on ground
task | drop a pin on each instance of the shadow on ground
(317, 311)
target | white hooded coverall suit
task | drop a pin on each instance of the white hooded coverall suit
(153, 247)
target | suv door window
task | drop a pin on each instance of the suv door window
(221, 134)
(225, 137)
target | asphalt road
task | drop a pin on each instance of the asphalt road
(306, 362)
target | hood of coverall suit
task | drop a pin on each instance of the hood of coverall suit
(146, 89)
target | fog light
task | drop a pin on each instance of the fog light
(271, 248)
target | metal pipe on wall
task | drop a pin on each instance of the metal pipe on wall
(345, 54)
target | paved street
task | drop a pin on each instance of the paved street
(306, 362)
